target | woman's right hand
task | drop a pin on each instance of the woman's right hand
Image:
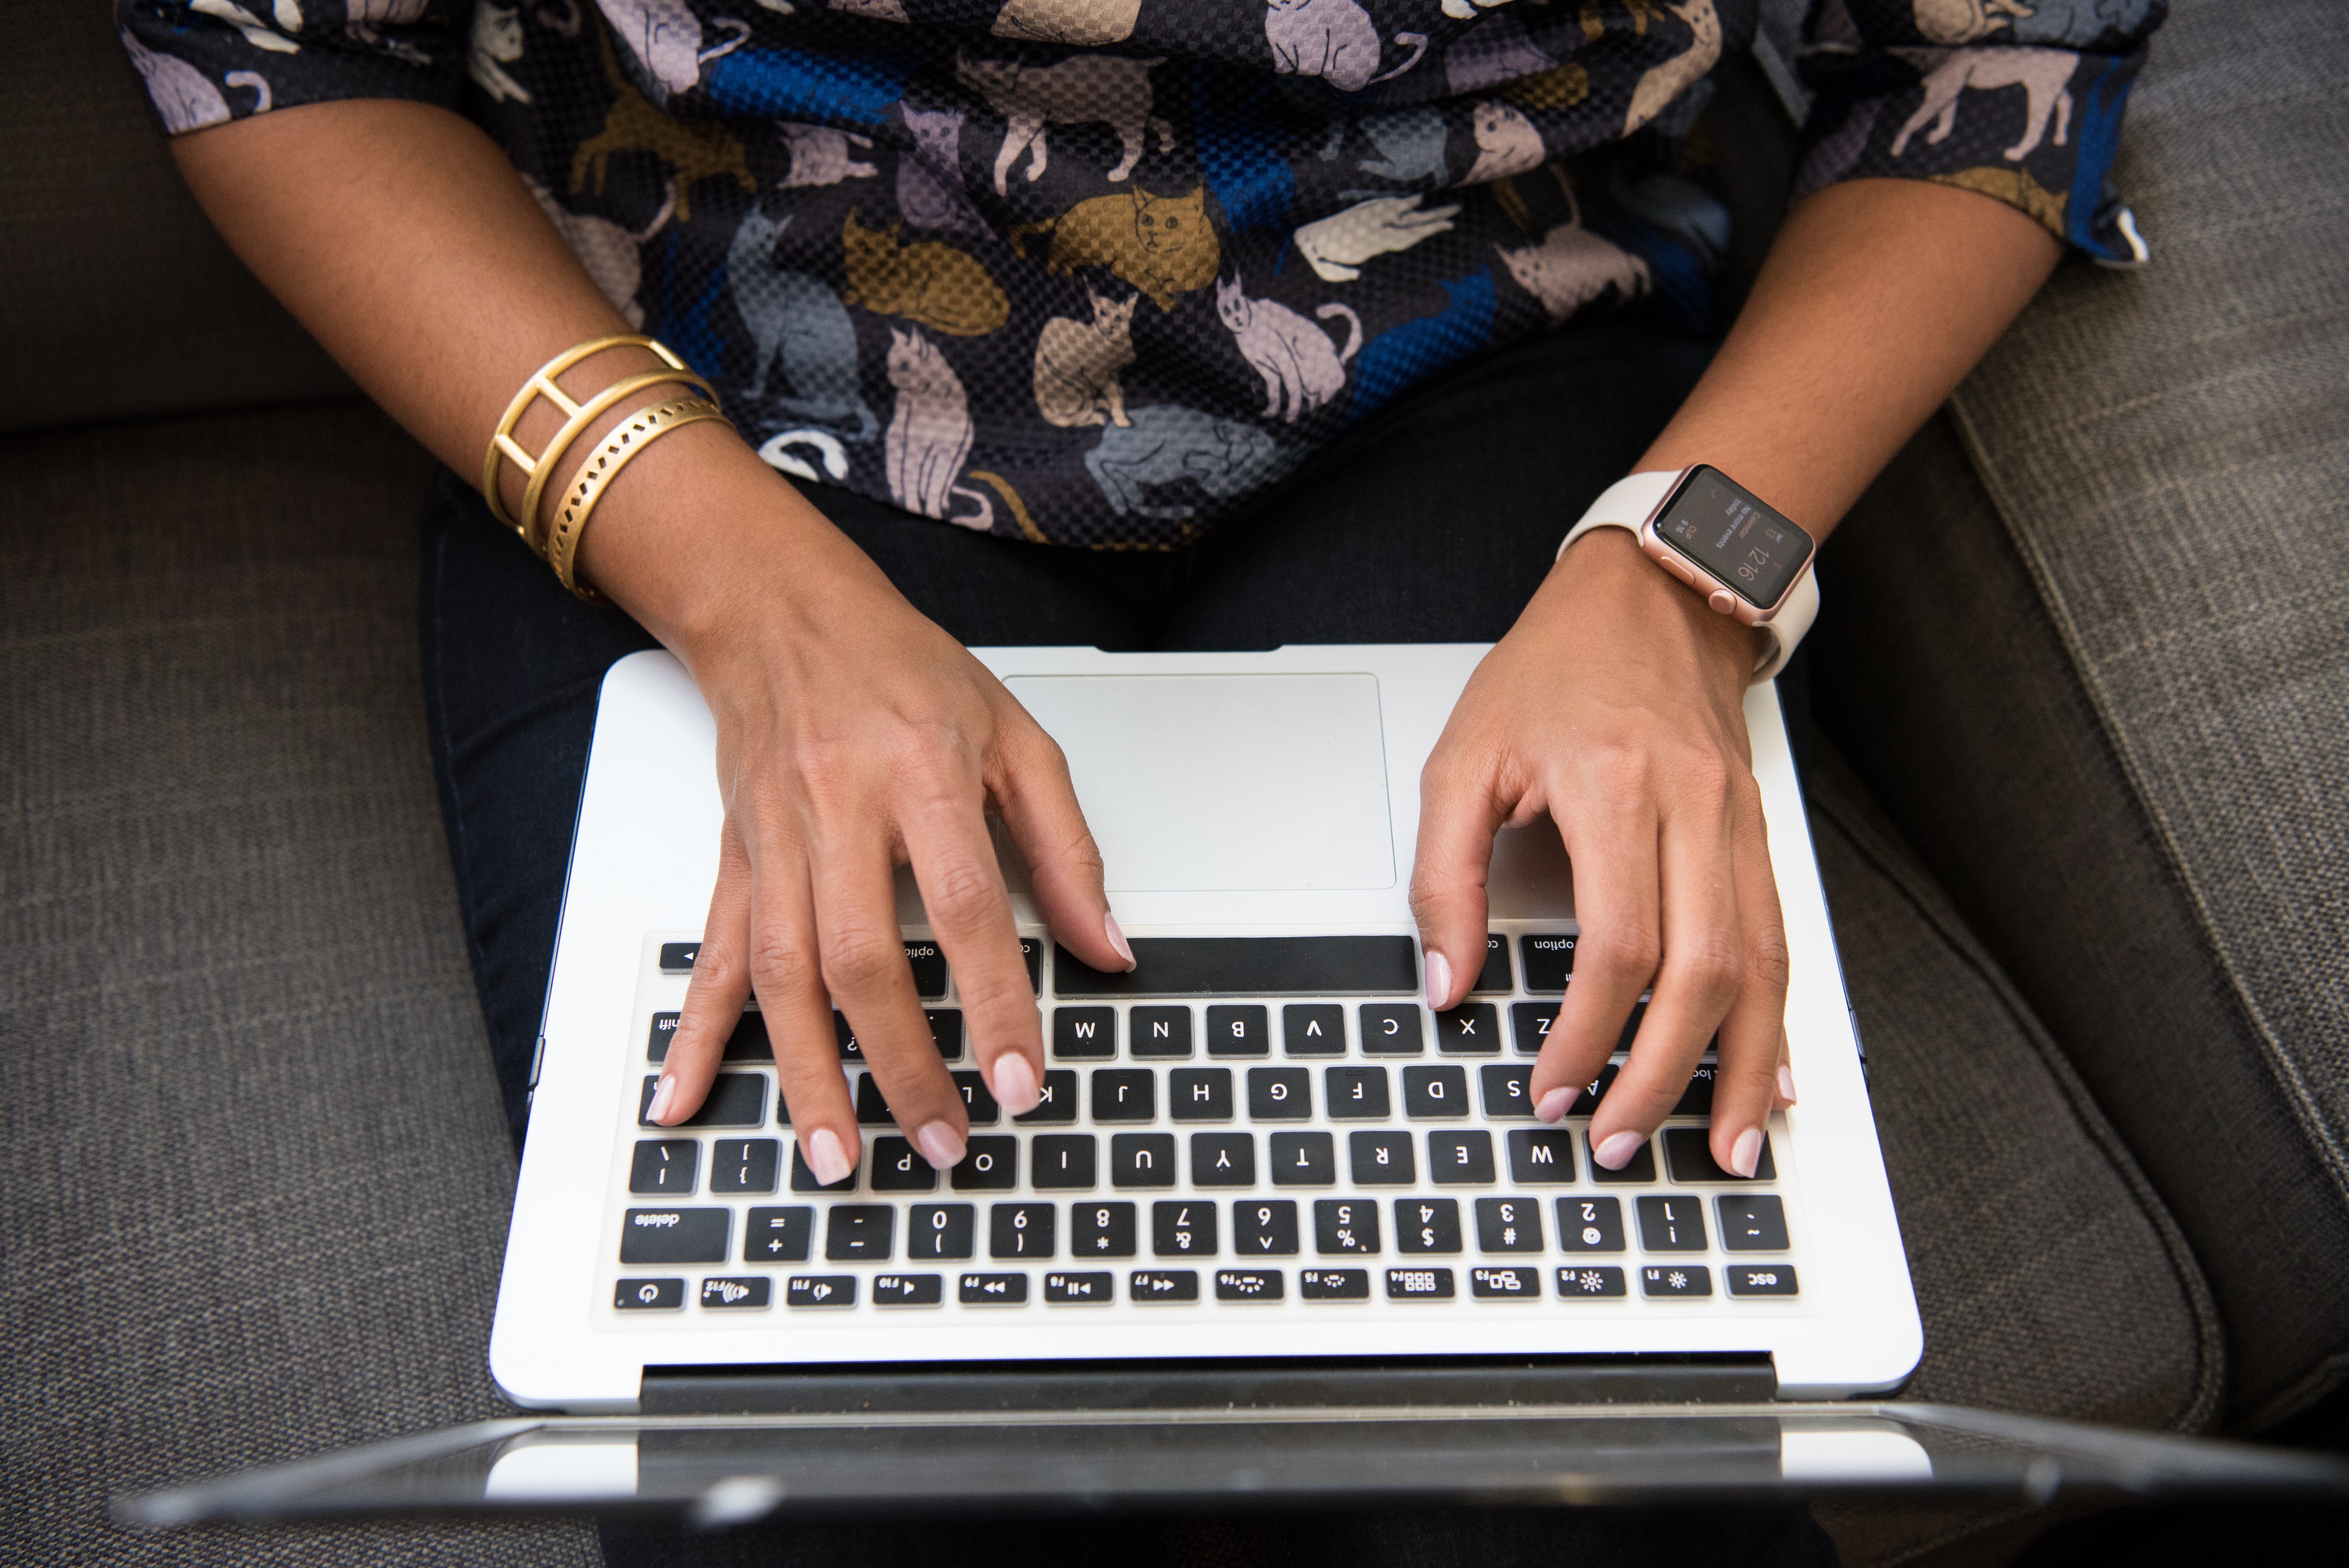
(853, 736)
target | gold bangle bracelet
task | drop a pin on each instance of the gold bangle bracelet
(590, 411)
(541, 385)
(630, 437)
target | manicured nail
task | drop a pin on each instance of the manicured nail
(1785, 1083)
(663, 1096)
(826, 1160)
(1439, 979)
(1117, 939)
(1015, 1084)
(1617, 1150)
(940, 1144)
(1554, 1105)
(1746, 1154)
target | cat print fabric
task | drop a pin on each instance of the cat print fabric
(1097, 272)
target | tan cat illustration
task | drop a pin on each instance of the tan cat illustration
(934, 284)
(2043, 75)
(1664, 83)
(693, 149)
(1163, 245)
(1078, 23)
(1077, 364)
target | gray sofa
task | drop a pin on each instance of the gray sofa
(2081, 687)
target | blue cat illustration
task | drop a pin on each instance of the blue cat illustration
(1239, 154)
(1166, 444)
(818, 90)
(794, 319)
(1418, 349)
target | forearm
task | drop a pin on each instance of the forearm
(1877, 298)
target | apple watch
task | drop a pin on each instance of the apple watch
(1746, 559)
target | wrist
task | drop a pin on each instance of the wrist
(1608, 565)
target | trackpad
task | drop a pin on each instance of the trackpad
(1226, 783)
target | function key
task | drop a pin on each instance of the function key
(859, 1232)
(1761, 1279)
(1589, 1225)
(1508, 1093)
(1549, 960)
(1125, 1094)
(1688, 1151)
(1674, 1224)
(1460, 1158)
(1149, 1286)
(1096, 1289)
(1541, 1156)
(1247, 1284)
(736, 1100)
(1304, 1159)
(1505, 1284)
(1508, 1225)
(740, 1165)
(1313, 1029)
(649, 1295)
(1419, 1284)
(938, 1231)
(1142, 1159)
(820, 1290)
(675, 1236)
(677, 958)
(1356, 1094)
(1239, 1031)
(1083, 1033)
(1641, 1167)
(1056, 1099)
(1280, 1094)
(1588, 1284)
(1676, 1280)
(664, 1166)
(778, 1235)
(1473, 1029)
(1182, 1230)
(1435, 1092)
(992, 1289)
(1201, 1094)
(746, 1293)
(929, 967)
(1390, 1029)
(907, 1290)
(1752, 1222)
(1334, 1284)
(1159, 1032)
(1222, 1159)
(1493, 979)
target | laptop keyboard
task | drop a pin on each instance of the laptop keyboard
(1239, 1121)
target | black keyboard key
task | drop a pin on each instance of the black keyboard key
(1097, 1289)
(820, 1290)
(1673, 1224)
(1032, 952)
(677, 957)
(946, 1034)
(1125, 1094)
(1313, 1029)
(1505, 1284)
(1688, 1154)
(1460, 1158)
(1697, 1098)
(1303, 1159)
(1344, 1226)
(1473, 1029)
(1019, 1231)
(945, 1031)
(1084, 1033)
(938, 1231)
(747, 1292)
(1435, 1092)
(1247, 1284)
(1199, 1094)
(1589, 1225)
(1752, 1222)
(1549, 961)
(664, 1167)
(1334, 1284)
(1062, 1160)
(1142, 1159)
(649, 1295)
(1159, 1032)
(843, 1035)
(1239, 1031)
(1529, 1025)
(1427, 1225)
(1493, 979)
(1100, 1231)
(1641, 1167)
(1419, 1284)
(1680, 1280)
(1541, 1156)
(778, 1235)
(859, 1232)
(1280, 1094)
(748, 1043)
(1589, 1284)
(898, 1166)
(736, 1100)
(993, 1289)
(1761, 1279)
(907, 1290)
(1183, 1229)
(1356, 1094)
(675, 1236)
(872, 1110)
(988, 1165)
(1508, 1093)
(664, 1029)
(1250, 966)
(981, 1106)
(929, 967)
(1390, 1029)
(739, 1165)
(1380, 1159)
(1594, 1091)
(803, 1180)
(1055, 1100)
(1264, 1228)
(1222, 1159)
(1145, 1288)
(1508, 1225)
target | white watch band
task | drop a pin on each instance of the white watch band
(1626, 504)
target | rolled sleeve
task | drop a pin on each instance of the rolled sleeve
(206, 62)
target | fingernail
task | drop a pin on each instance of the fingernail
(826, 1160)
(663, 1095)
(1117, 938)
(1015, 1084)
(1746, 1154)
(1617, 1150)
(1785, 1083)
(940, 1144)
(1554, 1105)
(1439, 979)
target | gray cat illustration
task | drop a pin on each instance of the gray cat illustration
(1166, 444)
(1411, 147)
(794, 319)
(930, 178)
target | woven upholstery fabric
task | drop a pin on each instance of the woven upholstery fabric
(255, 1174)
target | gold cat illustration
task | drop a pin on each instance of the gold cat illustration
(934, 284)
(693, 149)
(2016, 188)
(1163, 245)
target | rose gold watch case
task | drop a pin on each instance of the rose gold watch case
(1673, 559)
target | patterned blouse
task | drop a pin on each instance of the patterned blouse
(1091, 271)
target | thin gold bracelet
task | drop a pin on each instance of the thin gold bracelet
(630, 437)
(590, 411)
(541, 385)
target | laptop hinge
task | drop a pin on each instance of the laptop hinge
(1284, 1384)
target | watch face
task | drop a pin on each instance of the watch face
(1724, 528)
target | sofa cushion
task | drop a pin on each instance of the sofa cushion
(255, 1178)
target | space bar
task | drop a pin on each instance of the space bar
(1249, 966)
